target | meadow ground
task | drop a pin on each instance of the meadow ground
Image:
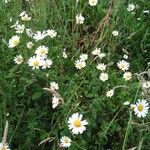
(74, 74)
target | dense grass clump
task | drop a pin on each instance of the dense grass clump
(61, 59)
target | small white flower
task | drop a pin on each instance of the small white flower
(51, 33)
(39, 35)
(54, 86)
(127, 75)
(65, 141)
(76, 124)
(97, 51)
(24, 16)
(18, 59)
(55, 102)
(125, 56)
(35, 62)
(101, 66)
(130, 7)
(115, 33)
(93, 2)
(123, 65)
(102, 55)
(64, 55)
(126, 103)
(42, 51)
(14, 41)
(29, 45)
(110, 93)
(4, 147)
(47, 63)
(79, 19)
(20, 28)
(83, 57)
(79, 64)
(141, 108)
(103, 77)
(146, 84)
(138, 18)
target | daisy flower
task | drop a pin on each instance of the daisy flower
(18, 59)
(141, 108)
(79, 64)
(35, 62)
(76, 124)
(93, 2)
(103, 77)
(97, 51)
(65, 141)
(29, 45)
(101, 66)
(110, 93)
(83, 57)
(115, 33)
(127, 75)
(20, 28)
(51, 33)
(14, 41)
(130, 7)
(54, 86)
(39, 35)
(47, 63)
(123, 65)
(42, 50)
(24, 16)
(79, 19)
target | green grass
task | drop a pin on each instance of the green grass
(31, 117)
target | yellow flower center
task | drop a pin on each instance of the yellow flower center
(42, 51)
(140, 107)
(65, 141)
(77, 123)
(15, 42)
(36, 63)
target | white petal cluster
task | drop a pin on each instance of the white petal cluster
(101, 67)
(127, 75)
(123, 65)
(79, 19)
(115, 33)
(146, 84)
(39, 35)
(93, 2)
(97, 52)
(24, 16)
(80, 63)
(103, 77)
(20, 28)
(51, 33)
(54, 86)
(130, 7)
(110, 93)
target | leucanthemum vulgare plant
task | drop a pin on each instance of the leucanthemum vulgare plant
(74, 74)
